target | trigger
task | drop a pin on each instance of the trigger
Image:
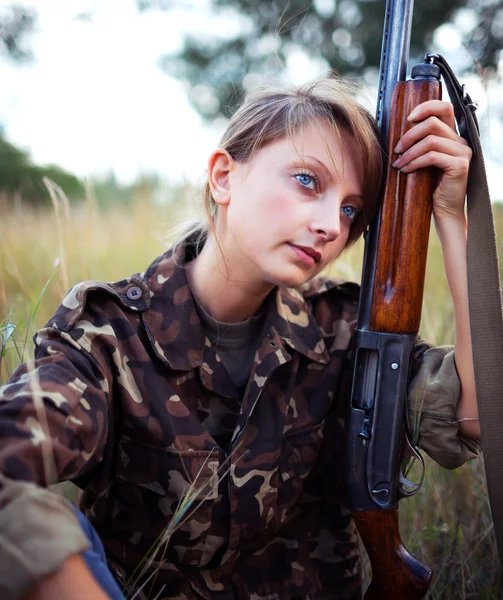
(406, 487)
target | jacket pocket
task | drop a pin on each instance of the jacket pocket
(151, 486)
(298, 456)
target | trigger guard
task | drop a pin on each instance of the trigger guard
(412, 484)
(402, 491)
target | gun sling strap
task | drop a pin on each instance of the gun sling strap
(484, 293)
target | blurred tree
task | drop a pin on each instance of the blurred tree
(22, 180)
(16, 22)
(344, 34)
(108, 190)
(486, 40)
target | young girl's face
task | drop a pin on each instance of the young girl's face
(289, 209)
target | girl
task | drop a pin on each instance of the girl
(220, 376)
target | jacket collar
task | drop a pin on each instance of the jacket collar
(295, 323)
(174, 328)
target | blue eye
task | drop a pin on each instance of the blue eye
(350, 212)
(307, 181)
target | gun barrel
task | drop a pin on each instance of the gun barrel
(394, 56)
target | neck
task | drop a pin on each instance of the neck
(223, 287)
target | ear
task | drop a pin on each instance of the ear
(220, 165)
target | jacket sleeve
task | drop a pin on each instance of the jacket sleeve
(53, 423)
(433, 395)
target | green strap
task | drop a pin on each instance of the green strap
(486, 325)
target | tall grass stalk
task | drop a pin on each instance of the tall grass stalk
(184, 511)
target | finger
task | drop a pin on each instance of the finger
(455, 166)
(433, 143)
(434, 108)
(431, 126)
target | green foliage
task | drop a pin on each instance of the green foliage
(109, 190)
(448, 526)
(20, 178)
(486, 40)
(15, 23)
(345, 36)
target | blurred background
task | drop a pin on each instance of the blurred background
(108, 111)
(118, 91)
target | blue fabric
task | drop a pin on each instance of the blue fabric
(96, 560)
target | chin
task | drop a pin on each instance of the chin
(289, 279)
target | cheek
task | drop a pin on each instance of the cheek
(263, 206)
(277, 208)
(282, 203)
(269, 209)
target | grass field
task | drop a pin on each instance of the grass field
(447, 525)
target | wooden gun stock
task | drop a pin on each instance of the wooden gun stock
(395, 572)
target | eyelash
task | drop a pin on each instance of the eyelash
(355, 213)
(315, 179)
(316, 188)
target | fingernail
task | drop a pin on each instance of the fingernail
(397, 163)
(413, 115)
(398, 148)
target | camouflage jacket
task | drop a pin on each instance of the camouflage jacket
(124, 380)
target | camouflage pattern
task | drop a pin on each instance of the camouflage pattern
(130, 384)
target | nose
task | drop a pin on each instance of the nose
(326, 223)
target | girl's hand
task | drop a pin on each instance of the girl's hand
(433, 142)
(73, 581)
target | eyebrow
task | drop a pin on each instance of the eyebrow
(320, 163)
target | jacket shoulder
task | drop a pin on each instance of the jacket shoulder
(334, 305)
(128, 294)
(330, 287)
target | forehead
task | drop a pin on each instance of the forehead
(321, 137)
(337, 150)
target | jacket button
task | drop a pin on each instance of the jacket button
(134, 293)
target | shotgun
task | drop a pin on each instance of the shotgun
(389, 315)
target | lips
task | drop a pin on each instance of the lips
(311, 251)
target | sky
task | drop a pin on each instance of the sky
(94, 99)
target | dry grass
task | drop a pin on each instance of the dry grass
(66, 246)
(447, 525)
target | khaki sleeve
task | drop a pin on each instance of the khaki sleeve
(433, 395)
(53, 424)
(29, 548)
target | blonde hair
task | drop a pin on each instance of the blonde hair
(274, 111)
